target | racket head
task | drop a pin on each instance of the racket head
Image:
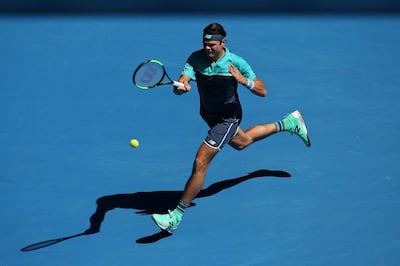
(40, 245)
(47, 243)
(148, 74)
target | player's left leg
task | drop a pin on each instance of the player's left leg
(293, 123)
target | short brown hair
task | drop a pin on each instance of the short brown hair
(214, 28)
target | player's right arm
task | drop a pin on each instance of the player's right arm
(186, 86)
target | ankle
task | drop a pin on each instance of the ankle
(177, 214)
(181, 207)
(280, 126)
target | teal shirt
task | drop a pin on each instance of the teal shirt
(217, 87)
(199, 62)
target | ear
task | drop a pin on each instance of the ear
(223, 42)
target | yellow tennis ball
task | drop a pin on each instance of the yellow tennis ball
(134, 143)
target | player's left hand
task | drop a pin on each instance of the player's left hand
(237, 75)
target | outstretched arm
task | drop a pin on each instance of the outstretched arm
(256, 85)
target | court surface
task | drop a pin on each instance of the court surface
(68, 110)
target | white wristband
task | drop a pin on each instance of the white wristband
(250, 84)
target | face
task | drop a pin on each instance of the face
(213, 49)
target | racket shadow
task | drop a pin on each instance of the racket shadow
(50, 242)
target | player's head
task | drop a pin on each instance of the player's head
(214, 40)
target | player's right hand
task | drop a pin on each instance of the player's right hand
(181, 90)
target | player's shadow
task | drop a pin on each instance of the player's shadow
(147, 203)
(161, 201)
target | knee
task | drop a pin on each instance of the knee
(200, 164)
(204, 156)
(239, 146)
(241, 141)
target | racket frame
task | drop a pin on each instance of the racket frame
(160, 82)
(50, 242)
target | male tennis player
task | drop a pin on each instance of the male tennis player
(218, 72)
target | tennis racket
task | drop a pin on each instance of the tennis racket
(49, 242)
(152, 73)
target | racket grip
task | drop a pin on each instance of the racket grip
(177, 84)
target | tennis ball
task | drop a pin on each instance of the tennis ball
(134, 143)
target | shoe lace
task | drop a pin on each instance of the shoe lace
(173, 218)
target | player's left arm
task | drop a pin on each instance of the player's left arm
(255, 85)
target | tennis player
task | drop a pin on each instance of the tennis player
(218, 72)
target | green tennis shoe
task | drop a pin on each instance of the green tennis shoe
(168, 222)
(294, 123)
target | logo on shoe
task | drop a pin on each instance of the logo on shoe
(297, 129)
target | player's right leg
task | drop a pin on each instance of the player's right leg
(218, 136)
(170, 221)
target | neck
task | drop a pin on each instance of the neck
(218, 56)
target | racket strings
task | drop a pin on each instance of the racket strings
(149, 74)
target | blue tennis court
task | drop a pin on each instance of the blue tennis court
(68, 110)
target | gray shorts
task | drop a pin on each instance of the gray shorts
(222, 133)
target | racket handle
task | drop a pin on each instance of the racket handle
(177, 84)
